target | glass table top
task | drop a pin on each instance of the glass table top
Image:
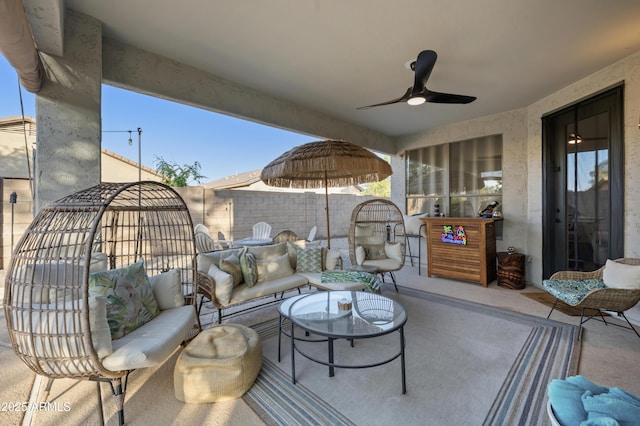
(370, 314)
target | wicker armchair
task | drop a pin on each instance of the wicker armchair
(615, 300)
(377, 226)
(283, 236)
(51, 318)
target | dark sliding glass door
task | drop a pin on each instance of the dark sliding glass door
(582, 196)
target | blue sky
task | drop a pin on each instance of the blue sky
(178, 133)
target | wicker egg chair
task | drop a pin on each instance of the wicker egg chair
(377, 226)
(46, 291)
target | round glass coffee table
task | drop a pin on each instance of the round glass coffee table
(326, 314)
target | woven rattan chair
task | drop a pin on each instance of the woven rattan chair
(47, 305)
(615, 300)
(283, 236)
(372, 228)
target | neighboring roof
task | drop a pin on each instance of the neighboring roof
(130, 162)
(252, 178)
(239, 180)
(13, 124)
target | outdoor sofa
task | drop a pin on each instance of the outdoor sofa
(236, 276)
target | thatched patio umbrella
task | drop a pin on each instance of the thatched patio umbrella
(325, 164)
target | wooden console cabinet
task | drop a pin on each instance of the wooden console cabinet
(474, 262)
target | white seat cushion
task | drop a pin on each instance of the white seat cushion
(242, 293)
(153, 342)
(384, 264)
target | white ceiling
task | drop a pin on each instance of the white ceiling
(335, 55)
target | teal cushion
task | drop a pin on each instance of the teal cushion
(249, 269)
(130, 299)
(572, 291)
(309, 259)
(565, 399)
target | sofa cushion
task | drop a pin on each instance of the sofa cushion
(249, 269)
(393, 251)
(223, 284)
(207, 259)
(292, 247)
(309, 259)
(100, 331)
(620, 275)
(47, 277)
(45, 319)
(243, 292)
(152, 343)
(269, 251)
(269, 269)
(330, 259)
(360, 255)
(374, 251)
(130, 300)
(413, 225)
(231, 265)
(572, 291)
(167, 289)
(365, 230)
(384, 264)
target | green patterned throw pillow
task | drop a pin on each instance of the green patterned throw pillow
(130, 300)
(249, 269)
(309, 259)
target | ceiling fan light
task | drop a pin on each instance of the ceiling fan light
(417, 100)
(574, 139)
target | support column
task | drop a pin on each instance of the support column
(68, 111)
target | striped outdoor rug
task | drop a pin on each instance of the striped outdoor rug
(550, 351)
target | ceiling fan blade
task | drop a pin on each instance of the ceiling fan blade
(422, 70)
(448, 98)
(402, 98)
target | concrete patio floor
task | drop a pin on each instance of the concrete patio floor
(609, 354)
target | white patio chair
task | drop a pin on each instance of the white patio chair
(261, 230)
(312, 234)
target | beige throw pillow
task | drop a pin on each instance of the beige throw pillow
(100, 332)
(393, 251)
(331, 260)
(167, 289)
(620, 275)
(224, 284)
(231, 265)
(270, 269)
(360, 255)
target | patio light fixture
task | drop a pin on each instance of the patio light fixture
(130, 141)
(574, 139)
(417, 100)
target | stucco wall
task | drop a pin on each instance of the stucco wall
(511, 125)
(522, 159)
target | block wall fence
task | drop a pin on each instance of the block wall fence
(232, 212)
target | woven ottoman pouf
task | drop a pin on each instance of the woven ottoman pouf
(221, 363)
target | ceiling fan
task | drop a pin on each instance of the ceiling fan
(419, 94)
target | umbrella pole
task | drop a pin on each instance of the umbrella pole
(326, 208)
